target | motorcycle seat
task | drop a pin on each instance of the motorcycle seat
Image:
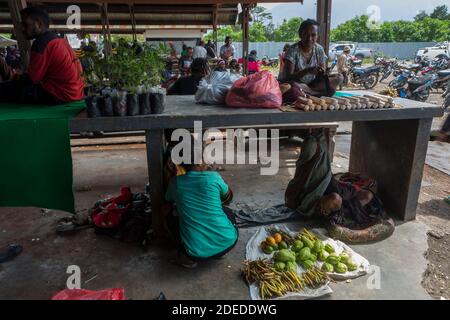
(444, 73)
(420, 81)
(366, 69)
(373, 68)
(413, 66)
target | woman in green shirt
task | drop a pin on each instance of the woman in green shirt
(202, 228)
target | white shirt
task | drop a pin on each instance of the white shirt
(199, 52)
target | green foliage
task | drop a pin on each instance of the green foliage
(261, 15)
(288, 30)
(424, 28)
(130, 66)
(440, 12)
(258, 32)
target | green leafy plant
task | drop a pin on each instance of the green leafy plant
(131, 66)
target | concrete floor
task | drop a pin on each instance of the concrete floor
(40, 270)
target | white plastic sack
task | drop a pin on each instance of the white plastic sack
(213, 88)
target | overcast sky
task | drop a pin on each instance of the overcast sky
(343, 10)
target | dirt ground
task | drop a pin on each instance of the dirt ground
(435, 213)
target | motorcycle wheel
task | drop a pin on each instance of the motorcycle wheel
(422, 97)
(371, 81)
(386, 74)
(391, 83)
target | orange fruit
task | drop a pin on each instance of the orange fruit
(270, 241)
(278, 238)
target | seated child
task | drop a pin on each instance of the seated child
(202, 230)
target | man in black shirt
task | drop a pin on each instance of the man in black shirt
(188, 85)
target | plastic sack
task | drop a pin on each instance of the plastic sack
(259, 90)
(82, 294)
(214, 88)
(108, 213)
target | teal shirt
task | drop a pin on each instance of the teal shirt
(204, 227)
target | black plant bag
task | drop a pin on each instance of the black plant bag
(157, 102)
(144, 104)
(106, 106)
(120, 104)
(132, 104)
(93, 109)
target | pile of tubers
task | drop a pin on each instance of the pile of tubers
(374, 101)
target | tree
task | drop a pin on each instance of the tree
(288, 30)
(421, 15)
(258, 32)
(355, 30)
(440, 12)
(261, 15)
(234, 32)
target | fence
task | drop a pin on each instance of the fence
(400, 50)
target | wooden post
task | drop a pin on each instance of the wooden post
(245, 36)
(216, 6)
(105, 30)
(324, 18)
(15, 6)
(133, 21)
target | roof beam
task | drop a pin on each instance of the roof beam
(171, 1)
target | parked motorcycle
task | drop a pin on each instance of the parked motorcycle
(413, 87)
(446, 97)
(441, 63)
(366, 77)
(441, 80)
(415, 67)
(269, 62)
(387, 67)
(399, 82)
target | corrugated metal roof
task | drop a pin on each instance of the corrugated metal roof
(120, 18)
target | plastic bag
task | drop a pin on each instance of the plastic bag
(82, 294)
(214, 88)
(259, 90)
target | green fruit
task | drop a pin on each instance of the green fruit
(307, 264)
(304, 254)
(282, 245)
(323, 255)
(340, 267)
(298, 243)
(279, 266)
(326, 267)
(351, 266)
(332, 259)
(328, 248)
(291, 266)
(318, 246)
(297, 246)
(312, 257)
(267, 249)
(344, 257)
(284, 255)
(307, 243)
(275, 247)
